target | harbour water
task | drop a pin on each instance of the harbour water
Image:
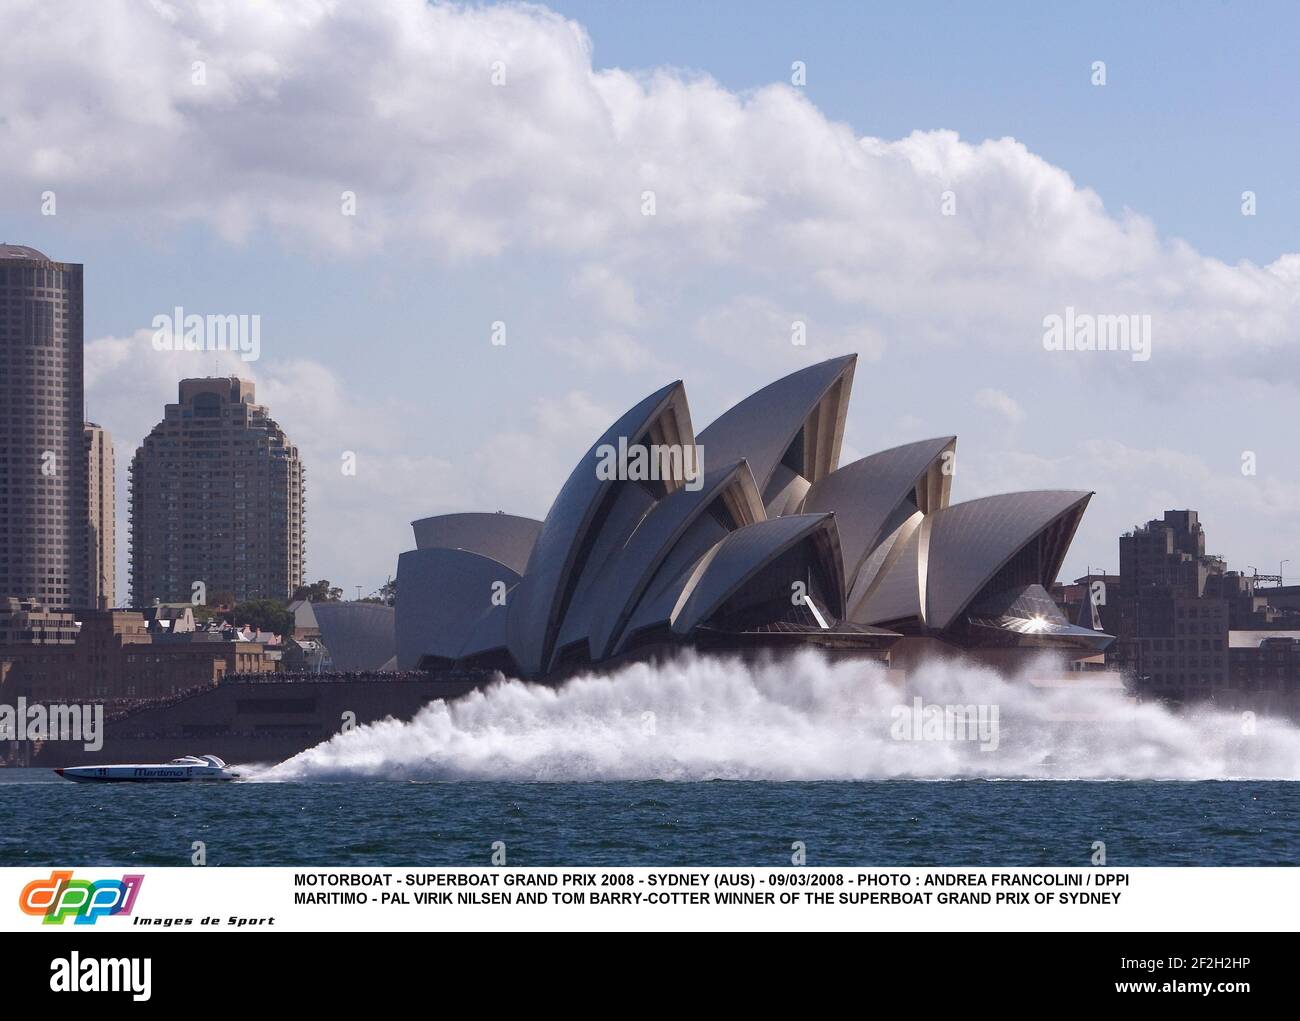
(49, 822)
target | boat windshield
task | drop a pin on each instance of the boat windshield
(198, 760)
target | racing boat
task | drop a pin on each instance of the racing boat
(186, 768)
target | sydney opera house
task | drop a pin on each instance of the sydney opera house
(757, 540)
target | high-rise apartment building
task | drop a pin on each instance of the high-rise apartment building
(43, 479)
(217, 500)
(101, 530)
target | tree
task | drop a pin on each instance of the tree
(318, 592)
(264, 614)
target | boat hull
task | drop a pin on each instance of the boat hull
(146, 774)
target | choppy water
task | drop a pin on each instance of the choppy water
(705, 762)
(892, 822)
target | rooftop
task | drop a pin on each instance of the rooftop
(22, 252)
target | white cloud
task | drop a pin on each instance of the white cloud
(756, 330)
(1245, 516)
(521, 470)
(1002, 403)
(607, 349)
(612, 294)
(766, 213)
(356, 523)
(305, 99)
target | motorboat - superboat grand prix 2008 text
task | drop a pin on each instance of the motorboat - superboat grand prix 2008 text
(186, 768)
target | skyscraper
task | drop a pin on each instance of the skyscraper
(101, 529)
(43, 481)
(216, 500)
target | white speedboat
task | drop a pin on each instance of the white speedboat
(186, 768)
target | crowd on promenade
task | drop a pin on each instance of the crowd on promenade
(331, 676)
(120, 708)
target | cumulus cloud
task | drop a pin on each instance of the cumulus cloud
(1244, 514)
(1002, 403)
(476, 132)
(128, 383)
(521, 470)
(605, 350)
(484, 137)
(613, 295)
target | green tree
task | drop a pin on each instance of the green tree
(319, 592)
(264, 614)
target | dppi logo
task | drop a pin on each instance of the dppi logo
(61, 896)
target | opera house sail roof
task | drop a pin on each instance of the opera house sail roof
(748, 535)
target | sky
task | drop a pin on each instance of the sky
(922, 184)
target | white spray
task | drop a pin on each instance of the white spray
(798, 719)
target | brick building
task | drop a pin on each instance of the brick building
(113, 656)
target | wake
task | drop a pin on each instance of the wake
(796, 719)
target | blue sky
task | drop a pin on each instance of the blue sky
(520, 204)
